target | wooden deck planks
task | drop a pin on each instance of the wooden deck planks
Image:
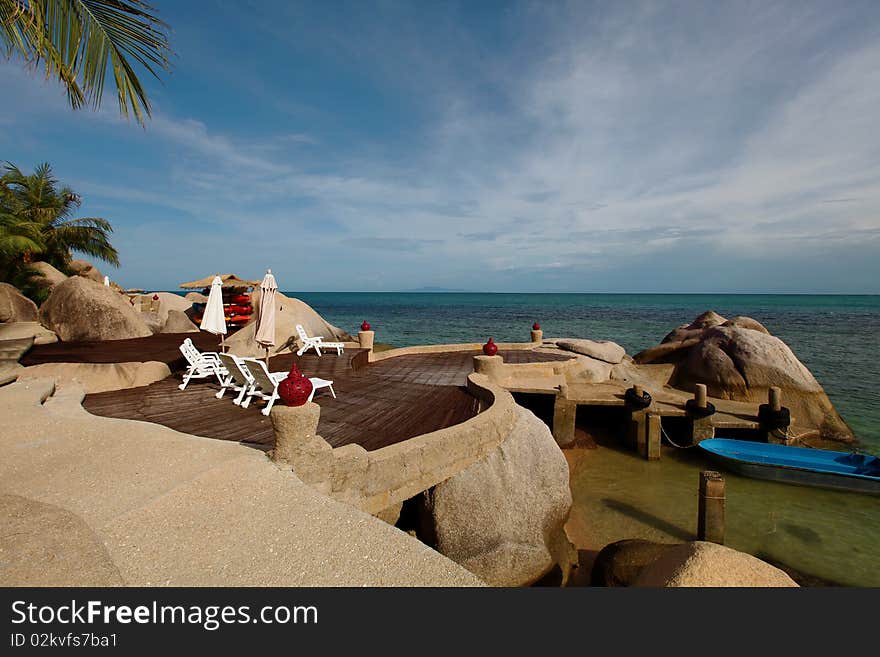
(378, 405)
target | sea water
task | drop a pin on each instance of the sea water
(619, 495)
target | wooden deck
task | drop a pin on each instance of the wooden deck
(377, 405)
(163, 347)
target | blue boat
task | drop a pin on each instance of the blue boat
(798, 465)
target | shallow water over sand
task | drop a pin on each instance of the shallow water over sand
(828, 534)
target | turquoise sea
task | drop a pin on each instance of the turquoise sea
(616, 494)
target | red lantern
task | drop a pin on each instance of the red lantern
(365, 326)
(490, 348)
(295, 389)
(536, 326)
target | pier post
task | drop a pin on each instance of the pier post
(537, 335)
(365, 338)
(775, 398)
(491, 366)
(700, 395)
(653, 437)
(773, 418)
(710, 518)
(700, 412)
(639, 425)
(564, 415)
(298, 444)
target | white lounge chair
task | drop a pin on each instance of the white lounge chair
(265, 384)
(316, 343)
(238, 378)
(201, 364)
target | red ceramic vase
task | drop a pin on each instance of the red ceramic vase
(365, 326)
(295, 389)
(490, 348)
(536, 326)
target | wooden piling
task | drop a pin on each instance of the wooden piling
(775, 398)
(564, 415)
(710, 518)
(700, 395)
(653, 437)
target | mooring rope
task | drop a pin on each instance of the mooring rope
(672, 442)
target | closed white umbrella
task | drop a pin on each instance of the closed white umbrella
(213, 320)
(107, 281)
(265, 333)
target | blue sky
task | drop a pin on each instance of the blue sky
(488, 146)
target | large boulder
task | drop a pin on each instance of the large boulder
(86, 270)
(46, 276)
(14, 306)
(288, 313)
(196, 297)
(621, 563)
(502, 517)
(705, 320)
(738, 359)
(178, 322)
(81, 309)
(153, 321)
(604, 350)
(702, 564)
(99, 377)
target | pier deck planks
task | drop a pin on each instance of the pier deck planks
(377, 405)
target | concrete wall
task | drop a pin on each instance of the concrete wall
(373, 481)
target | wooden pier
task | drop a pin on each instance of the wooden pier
(376, 405)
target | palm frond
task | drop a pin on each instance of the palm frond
(78, 39)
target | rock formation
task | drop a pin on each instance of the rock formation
(288, 313)
(99, 377)
(178, 322)
(502, 517)
(46, 275)
(620, 563)
(709, 565)
(86, 270)
(636, 562)
(14, 306)
(738, 359)
(196, 297)
(82, 309)
(153, 321)
(604, 350)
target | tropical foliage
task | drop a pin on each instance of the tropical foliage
(37, 223)
(77, 40)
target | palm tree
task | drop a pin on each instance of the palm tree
(36, 220)
(76, 40)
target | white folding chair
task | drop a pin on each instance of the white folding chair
(201, 364)
(316, 343)
(238, 378)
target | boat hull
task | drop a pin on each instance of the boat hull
(789, 474)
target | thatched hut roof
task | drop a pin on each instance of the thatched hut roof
(229, 280)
